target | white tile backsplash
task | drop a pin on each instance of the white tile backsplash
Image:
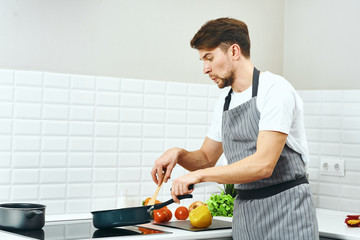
(74, 142)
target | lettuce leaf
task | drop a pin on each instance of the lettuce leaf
(221, 205)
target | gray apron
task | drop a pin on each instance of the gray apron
(278, 207)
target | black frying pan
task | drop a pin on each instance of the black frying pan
(128, 216)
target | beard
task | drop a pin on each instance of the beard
(226, 80)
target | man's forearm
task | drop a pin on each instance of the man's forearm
(194, 160)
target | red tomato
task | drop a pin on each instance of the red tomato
(169, 214)
(160, 216)
(182, 213)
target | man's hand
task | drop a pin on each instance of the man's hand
(180, 186)
(164, 165)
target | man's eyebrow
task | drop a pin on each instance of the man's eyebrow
(203, 57)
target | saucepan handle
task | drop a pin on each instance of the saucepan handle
(161, 205)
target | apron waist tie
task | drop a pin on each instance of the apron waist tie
(270, 190)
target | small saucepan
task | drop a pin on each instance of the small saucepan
(22, 216)
(128, 216)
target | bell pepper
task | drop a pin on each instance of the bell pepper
(200, 217)
(353, 220)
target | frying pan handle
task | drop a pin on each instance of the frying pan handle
(161, 205)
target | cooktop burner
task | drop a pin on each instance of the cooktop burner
(82, 229)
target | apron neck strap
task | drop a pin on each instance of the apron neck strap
(255, 86)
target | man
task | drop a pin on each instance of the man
(258, 125)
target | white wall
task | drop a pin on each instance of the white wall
(129, 38)
(321, 44)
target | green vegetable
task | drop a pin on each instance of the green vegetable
(230, 189)
(221, 205)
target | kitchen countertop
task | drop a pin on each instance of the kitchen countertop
(331, 224)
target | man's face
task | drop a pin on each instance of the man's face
(218, 65)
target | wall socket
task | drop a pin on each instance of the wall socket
(332, 167)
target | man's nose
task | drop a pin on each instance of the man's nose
(206, 69)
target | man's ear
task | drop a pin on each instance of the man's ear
(235, 51)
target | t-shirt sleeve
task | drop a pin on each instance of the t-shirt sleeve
(277, 108)
(214, 131)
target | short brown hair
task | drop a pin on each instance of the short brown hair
(222, 32)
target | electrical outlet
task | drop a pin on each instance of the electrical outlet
(332, 166)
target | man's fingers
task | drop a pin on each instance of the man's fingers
(153, 175)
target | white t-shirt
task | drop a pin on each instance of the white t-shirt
(280, 107)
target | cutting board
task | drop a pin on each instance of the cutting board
(185, 225)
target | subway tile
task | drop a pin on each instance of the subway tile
(351, 109)
(131, 115)
(28, 78)
(57, 80)
(107, 99)
(81, 128)
(54, 128)
(327, 202)
(6, 110)
(107, 114)
(154, 116)
(211, 104)
(197, 104)
(330, 149)
(25, 143)
(197, 117)
(80, 144)
(175, 88)
(25, 176)
(332, 136)
(52, 191)
(215, 92)
(107, 175)
(24, 193)
(78, 205)
(352, 164)
(155, 87)
(82, 113)
(82, 97)
(105, 159)
(106, 144)
(28, 94)
(332, 96)
(6, 76)
(82, 82)
(55, 96)
(175, 131)
(350, 191)
(152, 145)
(312, 108)
(54, 143)
(99, 204)
(130, 130)
(129, 159)
(5, 177)
(176, 102)
(352, 176)
(314, 148)
(312, 121)
(108, 83)
(351, 95)
(26, 110)
(311, 96)
(351, 123)
(26, 160)
(153, 130)
(5, 193)
(313, 134)
(131, 100)
(53, 160)
(198, 90)
(194, 144)
(146, 174)
(54, 207)
(148, 159)
(154, 101)
(129, 174)
(350, 150)
(131, 189)
(332, 109)
(80, 159)
(196, 131)
(81, 175)
(104, 190)
(27, 127)
(351, 136)
(148, 189)
(330, 122)
(55, 112)
(175, 117)
(5, 159)
(349, 205)
(6, 126)
(6, 93)
(5, 143)
(129, 145)
(106, 129)
(176, 142)
(79, 190)
(53, 176)
(132, 85)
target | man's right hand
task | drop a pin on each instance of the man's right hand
(164, 165)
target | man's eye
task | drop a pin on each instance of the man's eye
(210, 59)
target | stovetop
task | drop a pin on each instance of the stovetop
(82, 229)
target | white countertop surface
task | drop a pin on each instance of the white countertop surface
(331, 224)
